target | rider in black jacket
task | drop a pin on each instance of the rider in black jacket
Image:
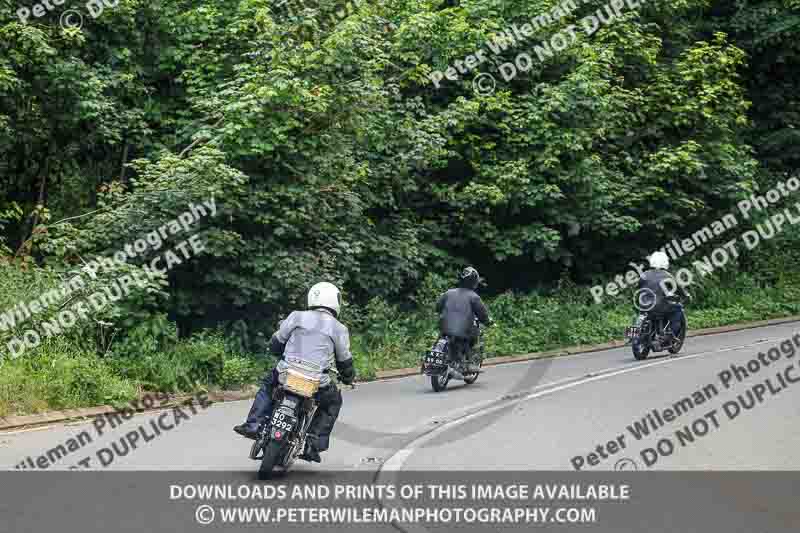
(657, 290)
(458, 308)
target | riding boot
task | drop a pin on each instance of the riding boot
(261, 408)
(311, 453)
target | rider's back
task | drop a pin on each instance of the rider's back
(458, 309)
(658, 281)
(313, 336)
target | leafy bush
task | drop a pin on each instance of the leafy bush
(199, 358)
(60, 379)
(239, 371)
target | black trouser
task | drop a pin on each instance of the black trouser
(463, 346)
(329, 402)
(673, 313)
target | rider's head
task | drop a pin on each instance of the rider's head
(659, 260)
(469, 278)
(326, 296)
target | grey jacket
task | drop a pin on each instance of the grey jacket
(317, 338)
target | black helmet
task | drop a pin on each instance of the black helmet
(469, 278)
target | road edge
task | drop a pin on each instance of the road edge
(51, 417)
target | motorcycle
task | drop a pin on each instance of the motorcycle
(448, 360)
(654, 333)
(282, 438)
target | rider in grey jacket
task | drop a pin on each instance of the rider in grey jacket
(309, 337)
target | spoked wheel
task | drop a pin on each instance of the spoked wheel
(678, 343)
(439, 383)
(272, 456)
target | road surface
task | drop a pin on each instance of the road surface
(584, 412)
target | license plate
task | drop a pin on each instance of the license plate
(282, 422)
(434, 360)
(631, 332)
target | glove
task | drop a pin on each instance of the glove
(346, 372)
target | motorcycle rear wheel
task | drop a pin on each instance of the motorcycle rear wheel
(439, 383)
(639, 352)
(272, 456)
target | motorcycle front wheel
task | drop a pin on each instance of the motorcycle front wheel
(272, 457)
(678, 344)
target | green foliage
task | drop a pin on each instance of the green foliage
(59, 378)
(335, 158)
(199, 359)
(239, 371)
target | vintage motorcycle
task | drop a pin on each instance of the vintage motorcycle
(282, 438)
(448, 360)
(654, 333)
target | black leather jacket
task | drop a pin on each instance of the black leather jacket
(664, 286)
(458, 309)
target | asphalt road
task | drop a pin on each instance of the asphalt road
(548, 414)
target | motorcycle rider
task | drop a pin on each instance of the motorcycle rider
(459, 307)
(657, 288)
(312, 335)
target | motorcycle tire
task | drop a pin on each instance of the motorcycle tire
(273, 452)
(639, 352)
(439, 383)
(678, 344)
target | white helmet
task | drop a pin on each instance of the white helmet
(659, 260)
(326, 295)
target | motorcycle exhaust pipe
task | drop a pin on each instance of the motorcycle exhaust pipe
(456, 374)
